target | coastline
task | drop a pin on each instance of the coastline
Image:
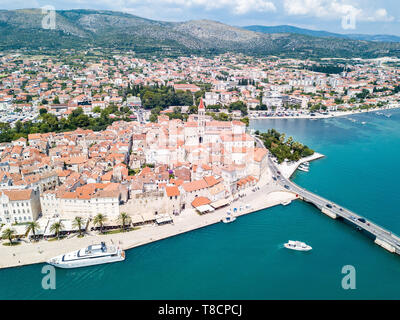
(269, 195)
(288, 169)
(42, 251)
(333, 114)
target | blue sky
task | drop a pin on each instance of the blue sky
(372, 17)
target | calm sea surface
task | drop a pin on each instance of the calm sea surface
(246, 259)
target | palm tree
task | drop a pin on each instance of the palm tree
(78, 223)
(32, 226)
(99, 220)
(56, 228)
(8, 234)
(124, 218)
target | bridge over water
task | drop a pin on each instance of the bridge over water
(380, 235)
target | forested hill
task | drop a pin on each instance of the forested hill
(82, 29)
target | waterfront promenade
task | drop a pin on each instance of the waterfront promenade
(270, 194)
(332, 114)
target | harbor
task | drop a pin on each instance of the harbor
(254, 243)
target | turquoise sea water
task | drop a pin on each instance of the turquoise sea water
(246, 259)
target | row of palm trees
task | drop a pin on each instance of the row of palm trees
(57, 227)
(100, 219)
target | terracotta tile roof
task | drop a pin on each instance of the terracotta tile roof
(200, 201)
(211, 181)
(172, 191)
(195, 185)
(259, 154)
(17, 195)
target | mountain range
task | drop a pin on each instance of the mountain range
(321, 33)
(82, 29)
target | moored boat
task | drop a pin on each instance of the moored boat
(304, 168)
(229, 218)
(92, 255)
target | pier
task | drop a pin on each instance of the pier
(381, 236)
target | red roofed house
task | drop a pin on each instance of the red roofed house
(173, 199)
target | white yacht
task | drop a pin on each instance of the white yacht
(304, 168)
(92, 255)
(229, 218)
(297, 245)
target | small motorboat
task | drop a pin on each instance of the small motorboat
(229, 218)
(297, 245)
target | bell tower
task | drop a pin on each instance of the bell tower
(201, 122)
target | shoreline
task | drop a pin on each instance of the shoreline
(288, 169)
(334, 114)
(40, 252)
(269, 195)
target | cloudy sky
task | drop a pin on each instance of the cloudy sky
(370, 16)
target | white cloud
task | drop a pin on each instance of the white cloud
(234, 6)
(237, 7)
(319, 8)
(333, 9)
(381, 15)
(245, 6)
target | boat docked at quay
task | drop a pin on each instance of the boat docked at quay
(90, 256)
(228, 218)
(305, 167)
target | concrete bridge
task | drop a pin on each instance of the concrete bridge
(381, 236)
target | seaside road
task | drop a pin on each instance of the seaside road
(383, 237)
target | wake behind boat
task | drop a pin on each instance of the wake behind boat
(90, 256)
(297, 245)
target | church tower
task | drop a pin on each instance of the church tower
(201, 122)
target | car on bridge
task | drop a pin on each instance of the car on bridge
(353, 218)
(287, 187)
(329, 206)
(362, 220)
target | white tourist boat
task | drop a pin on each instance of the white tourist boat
(229, 218)
(297, 245)
(90, 256)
